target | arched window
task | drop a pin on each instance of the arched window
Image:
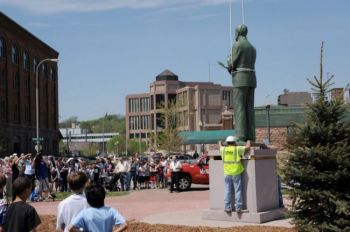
(26, 60)
(44, 70)
(14, 54)
(35, 63)
(52, 73)
(2, 48)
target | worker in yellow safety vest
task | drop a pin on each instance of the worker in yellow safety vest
(231, 155)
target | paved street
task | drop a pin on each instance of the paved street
(161, 207)
(143, 203)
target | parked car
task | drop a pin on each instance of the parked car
(184, 158)
(196, 172)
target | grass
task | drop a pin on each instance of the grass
(63, 195)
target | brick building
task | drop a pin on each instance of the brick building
(282, 119)
(20, 53)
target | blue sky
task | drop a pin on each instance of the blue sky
(111, 48)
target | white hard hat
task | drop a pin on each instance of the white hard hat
(231, 139)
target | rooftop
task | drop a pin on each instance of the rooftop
(167, 75)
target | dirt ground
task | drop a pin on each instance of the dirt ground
(48, 225)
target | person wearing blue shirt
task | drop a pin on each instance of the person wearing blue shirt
(97, 218)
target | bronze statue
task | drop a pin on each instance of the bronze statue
(241, 66)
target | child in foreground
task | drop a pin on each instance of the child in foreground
(74, 204)
(97, 218)
(20, 216)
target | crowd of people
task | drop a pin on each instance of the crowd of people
(28, 177)
(83, 210)
(49, 174)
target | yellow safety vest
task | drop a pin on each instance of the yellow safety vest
(231, 156)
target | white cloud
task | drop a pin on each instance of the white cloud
(59, 6)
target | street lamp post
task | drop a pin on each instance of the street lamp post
(37, 147)
(201, 126)
(103, 134)
(268, 123)
(139, 142)
(116, 144)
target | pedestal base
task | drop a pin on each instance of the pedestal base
(245, 216)
(260, 191)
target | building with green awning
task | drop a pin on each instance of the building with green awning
(205, 137)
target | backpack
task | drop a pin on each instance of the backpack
(3, 209)
(34, 196)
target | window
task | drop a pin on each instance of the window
(16, 81)
(2, 48)
(160, 101)
(35, 64)
(134, 105)
(14, 54)
(227, 98)
(16, 112)
(3, 109)
(185, 118)
(52, 73)
(26, 61)
(134, 123)
(27, 86)
(145, 106)
(3, 78)
(44, 70)
(144, 122)
(27, 114)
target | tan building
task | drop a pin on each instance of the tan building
(200, 106)
(294, 98)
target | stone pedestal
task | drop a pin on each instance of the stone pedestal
(259, 190)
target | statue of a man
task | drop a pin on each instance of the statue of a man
(241, 66)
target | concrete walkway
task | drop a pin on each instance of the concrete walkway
(161, 207)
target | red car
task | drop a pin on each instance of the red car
(193, 171)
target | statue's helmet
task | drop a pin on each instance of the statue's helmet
(241, 30)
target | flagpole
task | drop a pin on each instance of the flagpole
(230, 3)
(242, 8)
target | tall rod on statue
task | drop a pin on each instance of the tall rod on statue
(230, 6)
(242, 8)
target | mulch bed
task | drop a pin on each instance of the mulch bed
(49, 225)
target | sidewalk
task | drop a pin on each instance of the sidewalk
(193, 218)
(156, 206)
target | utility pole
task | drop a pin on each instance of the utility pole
(103, 134)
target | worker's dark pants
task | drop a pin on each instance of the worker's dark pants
(243, 100)
(174, 180)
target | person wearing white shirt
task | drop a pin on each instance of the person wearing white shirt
(175, 168)
(72, 205)
(123, 168)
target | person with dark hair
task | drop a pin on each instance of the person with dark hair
(2, 184)
(98, 217)
(29, 170)
(71, 206)
(42, 174)
(20, 216)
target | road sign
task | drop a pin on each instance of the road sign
(38, 147)
(38, 139)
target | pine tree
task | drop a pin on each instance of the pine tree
(318, 169)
